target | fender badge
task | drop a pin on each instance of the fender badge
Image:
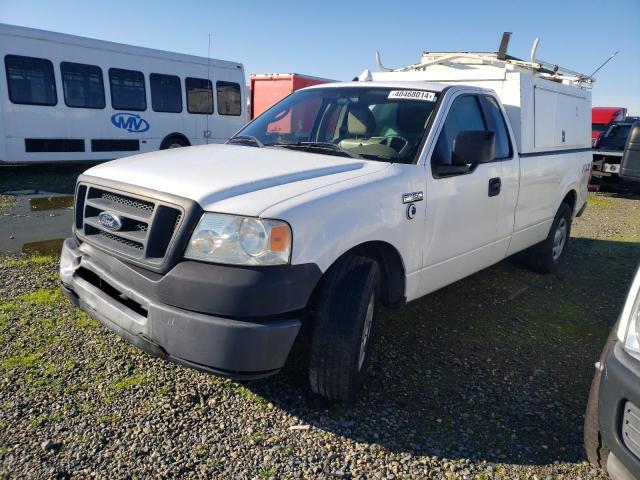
(412, 197)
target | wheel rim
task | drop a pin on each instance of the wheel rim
(366, 331)
(175, 145)
(559, 238)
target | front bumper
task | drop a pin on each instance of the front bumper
(619, 384)
(247, 348)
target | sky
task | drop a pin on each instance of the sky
(337, 38)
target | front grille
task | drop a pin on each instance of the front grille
(127, 201)
(144, 229)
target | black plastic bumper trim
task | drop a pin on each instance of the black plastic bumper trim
(620, 382)
(240, 349)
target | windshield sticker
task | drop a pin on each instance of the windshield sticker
(413, 95)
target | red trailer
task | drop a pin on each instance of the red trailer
(269, 88)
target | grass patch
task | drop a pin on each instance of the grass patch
(7, 202)
(267, 473)
(599, 201)
(20, 361)
(127, 383)
(108, 419)
(22, 262)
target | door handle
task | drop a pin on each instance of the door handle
(494, 186)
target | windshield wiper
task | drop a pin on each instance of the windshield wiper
(246, 139)
(328, 147)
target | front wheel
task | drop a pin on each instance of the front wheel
(344, 321)
(546, 256)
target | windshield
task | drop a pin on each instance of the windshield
(618, 131)
(599, 127)
(365, 122)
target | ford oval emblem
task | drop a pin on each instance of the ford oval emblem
(110, 221)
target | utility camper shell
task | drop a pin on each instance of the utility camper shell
(548, 111)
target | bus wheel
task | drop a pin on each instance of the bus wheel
(173, 142)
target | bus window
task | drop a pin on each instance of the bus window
(82, 85)
(229, 98)
(199, 95)
(127, 89)
(166, 94)
(31, 80)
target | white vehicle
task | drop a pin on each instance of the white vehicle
(338, 198)
(68, 98)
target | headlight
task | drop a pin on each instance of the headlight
(629, 328)
(221, 238)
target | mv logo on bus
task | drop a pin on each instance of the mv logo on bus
(130, 122)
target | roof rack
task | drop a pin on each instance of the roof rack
(498, 59)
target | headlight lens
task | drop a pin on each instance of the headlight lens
(629, 328)
(232, 239)
(632, 338)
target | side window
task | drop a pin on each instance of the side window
(166, 93)
(199, 95)
(498, 125)
(82, 85)
(31, 80)
(464, 114)
(229, 98)
(127, 89)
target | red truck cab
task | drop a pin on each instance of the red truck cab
(601, 118)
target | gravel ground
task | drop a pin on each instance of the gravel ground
(484, 379)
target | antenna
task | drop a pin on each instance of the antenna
(604, 63)
(208, 133)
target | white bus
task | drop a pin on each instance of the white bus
(69, 98)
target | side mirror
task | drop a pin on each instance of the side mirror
(630, 163)
(473, 146)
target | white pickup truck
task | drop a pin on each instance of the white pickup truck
(339, 198)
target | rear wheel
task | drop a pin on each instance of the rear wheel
(546, 256)
(344, 324)
(173, 142)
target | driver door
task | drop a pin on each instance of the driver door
(463, 203)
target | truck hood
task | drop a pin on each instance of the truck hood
(232, 178)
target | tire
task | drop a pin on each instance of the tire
(343, 326)
(173, 142)
(596, 450)
(546, 256)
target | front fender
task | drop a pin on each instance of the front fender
(328, 222)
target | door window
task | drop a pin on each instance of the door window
(499, 126)
(464, 114)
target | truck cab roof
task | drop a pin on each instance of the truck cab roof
(410, 85)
